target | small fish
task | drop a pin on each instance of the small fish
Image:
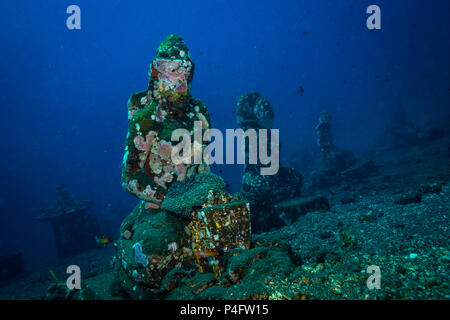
(301, 90)
(103, 240)
(208, 253)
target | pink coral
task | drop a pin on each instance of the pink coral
(160, 114)
(131, 186)
(180, 170)
(164, 150)
(203, 119)
(127, 234)
(151, 206)
(166, 177)
(173, 74)
(148, 194)
(155, 163)
(144, 144)
(131, 113)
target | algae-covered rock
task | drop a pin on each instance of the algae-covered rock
(192, 287)
(250, 274)
(183, 196)
(257, 259)
(158, 244)
(173, 279)
(99, 287)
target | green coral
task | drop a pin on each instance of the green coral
(249, 273)
(134, 103)
(183, 196)
(348, 240)
(171, 47)
(155, 231)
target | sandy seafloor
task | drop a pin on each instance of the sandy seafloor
(409, 242)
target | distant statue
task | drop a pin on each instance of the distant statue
(253, 111)
(332, 159)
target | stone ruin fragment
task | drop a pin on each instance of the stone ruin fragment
(74, 228)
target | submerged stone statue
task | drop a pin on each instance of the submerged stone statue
(332, 159)
(153, 115)
(185, 219)
(253, 111)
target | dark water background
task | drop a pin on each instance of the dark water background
(64, 93)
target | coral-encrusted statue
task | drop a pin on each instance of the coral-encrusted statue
(164, 232)
(153, 115)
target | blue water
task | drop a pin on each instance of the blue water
(64, 92)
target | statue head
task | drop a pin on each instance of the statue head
(171, 73)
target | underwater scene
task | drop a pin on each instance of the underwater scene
(225, 150)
